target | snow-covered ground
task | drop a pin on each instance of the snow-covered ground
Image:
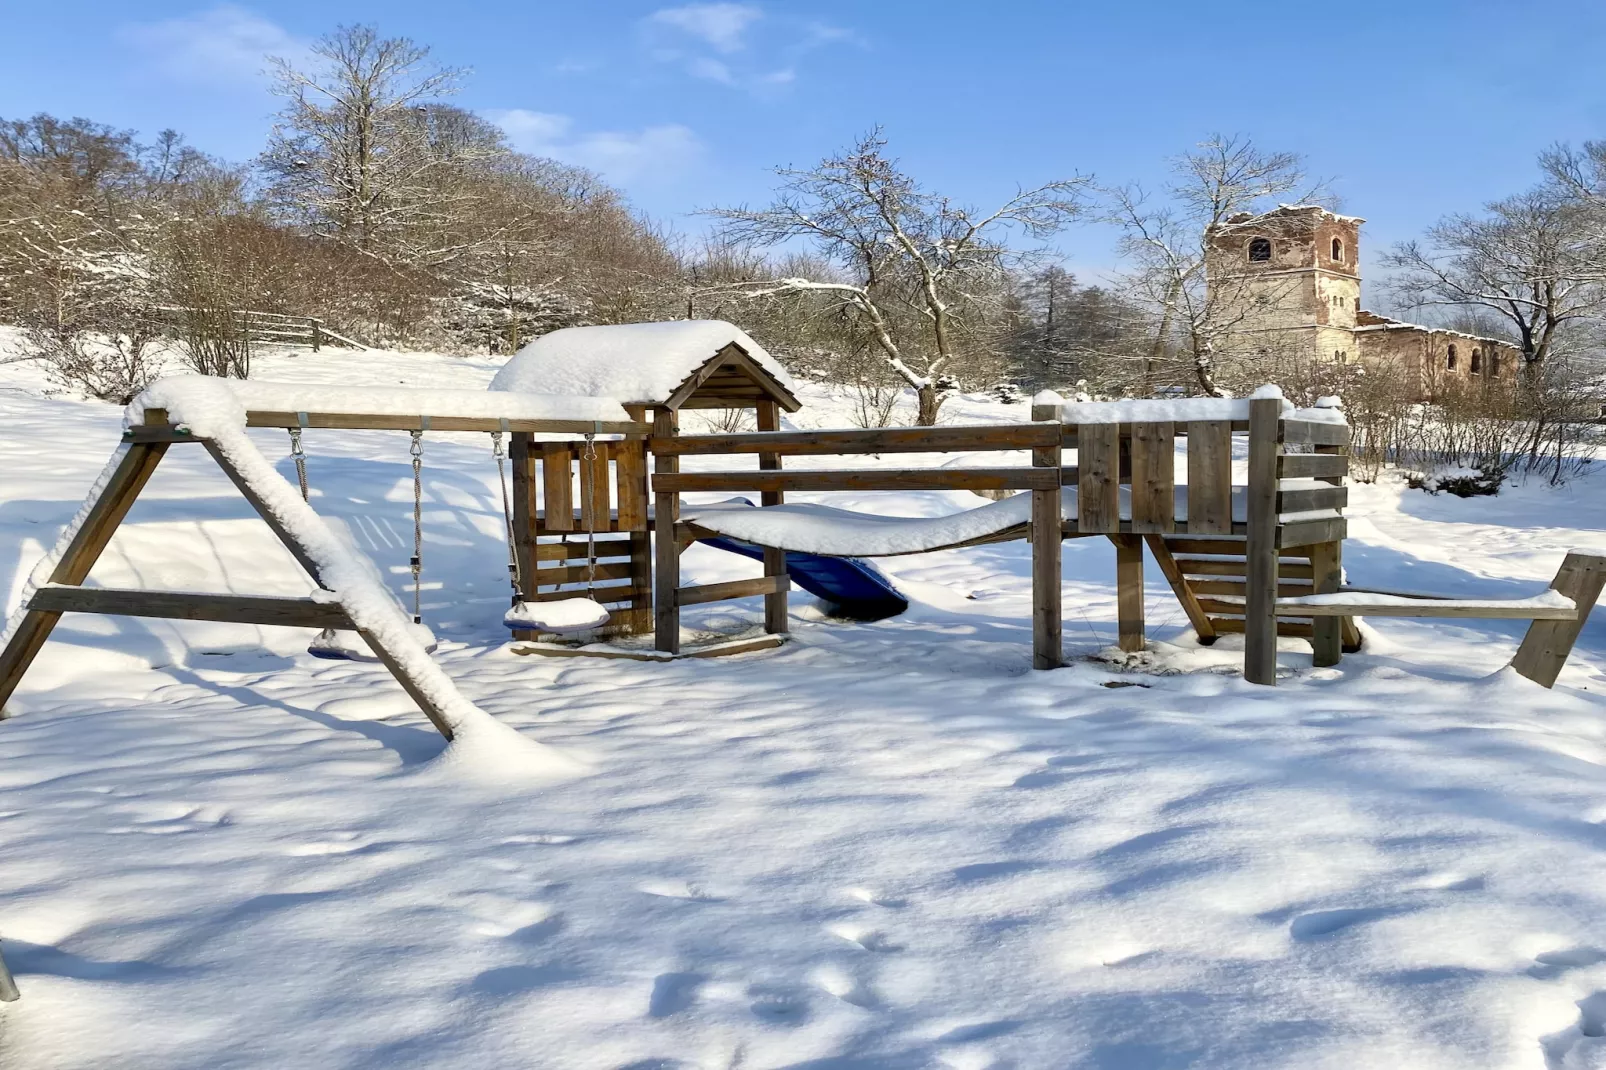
(885, 845)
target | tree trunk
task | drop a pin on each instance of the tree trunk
(929, 404)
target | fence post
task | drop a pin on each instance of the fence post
(1260, 558)
(775, 622)
(317, 335)
(666, 551)
(1047, 538)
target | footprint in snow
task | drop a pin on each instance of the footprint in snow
(875, 898)
(1581, 1046)
(1552, 964)
(781, 1005)
(679, 890)
(1321, 923)
(869, 939)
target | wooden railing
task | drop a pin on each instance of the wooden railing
(269, 328)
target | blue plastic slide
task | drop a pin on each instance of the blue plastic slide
(855, 589)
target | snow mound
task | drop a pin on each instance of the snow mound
(637, 363)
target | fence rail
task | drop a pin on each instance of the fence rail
(268, 328)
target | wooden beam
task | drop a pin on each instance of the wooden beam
(859, 479)
(1048, 640)
(1210, 476)
(1129, 591)
(768, 418)
(1181, 588)
(134, 469)
(1260, 554)
(356, 421)
(1154, 502)
(1426, 607)
(1545, 648)
(1309, 433)
(1303, 501)
(947, 439)
(190, 605)
(724, 592)
(666, 550)
(1311, 533)
(1098, 495)
(1311, 465)
(1327, 573)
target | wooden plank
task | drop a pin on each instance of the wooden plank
(189, 605)
(947, 439)
(859, 479)
(1545, 648)
(1153, 478)
(604, 595)
(666, 550)
(521, 455)
(549, 577)
(709, 650)
(1309, 433)
(1326, 643)
(1285, 628)
(1182, 588)
(1303, 501)
(1187, 544)
(1048, 615)
(1260, 569)
(1312, 532)
(353, 421)
(1210, 476)
(1098, 493)
(1129, 591)
(639, 619)
(593, 472)
(134, 469)
(1309, 465)
(1287, 568)
(724, 592)
(557, 486)
(1241, 589)
(630, 472)
(775, 603)
(1423, 607)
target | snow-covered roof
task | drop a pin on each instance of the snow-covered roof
(633, 363)
(1388, 324)
(1250, 219)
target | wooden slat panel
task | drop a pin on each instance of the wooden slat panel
(1307, 433)
(1301, 501)
(630, 464)
(186, 605)
(1153, 478)
(1210, 476)
(616, 570)
(1195, 567)
(721, 592)
(1181, 545)
(605, 595)
(1286, 628)
(860, 479)
(1239, 588)
(871, 440)
(1098, 495)
(1311, 532)
(1311, 465)
(557, 487)
(575, 550)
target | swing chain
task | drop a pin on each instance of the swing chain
(417, 453)
(300, 459)
(588, 488)
(500, 454)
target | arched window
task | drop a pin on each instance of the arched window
(1449, 361)
(1338, 249)
(1477, 362)
(1259, 251)
(1494, 365)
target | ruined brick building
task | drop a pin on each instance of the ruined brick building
(1286, 285)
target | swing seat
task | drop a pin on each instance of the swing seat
(566, 616)
(332, 645)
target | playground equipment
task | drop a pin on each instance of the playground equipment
(1263, 558)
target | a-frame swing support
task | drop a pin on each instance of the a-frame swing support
(141, 451)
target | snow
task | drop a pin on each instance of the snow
(1547, 600)
(1183, 410)
(199, 401)
(560, 615)
(883, 845)
(637, 363)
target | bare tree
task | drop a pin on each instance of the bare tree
(1529, 261)
(901, 249)
(1169, 241)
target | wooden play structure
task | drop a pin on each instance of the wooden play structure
(597, 507)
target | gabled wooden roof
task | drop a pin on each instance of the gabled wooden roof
(731, 379)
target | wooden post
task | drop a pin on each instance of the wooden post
(1260, 557)
(1326, 644)
(1047, 538)
(133, 471)
(1545, 648)
(666, 551)
(1129, 591)
(521, 454)
(317, 335)
(1348, 634)
(775, 622)
(8, 984)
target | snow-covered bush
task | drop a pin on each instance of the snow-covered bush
(1007, 393)
(1461, 482)
(111, 367)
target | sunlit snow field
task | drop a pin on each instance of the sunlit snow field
(886, 845)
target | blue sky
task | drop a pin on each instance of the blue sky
(1413, 108)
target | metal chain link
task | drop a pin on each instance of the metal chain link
(417, 453)
(513, 576)
(300, 459)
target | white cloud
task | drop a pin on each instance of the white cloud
(622, 156)
(225, 45)
(723, 26)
